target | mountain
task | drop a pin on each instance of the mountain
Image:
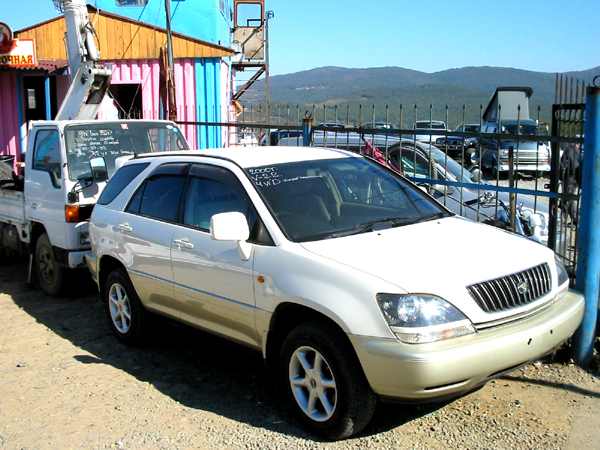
(451, 95)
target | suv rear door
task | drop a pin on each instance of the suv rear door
(145, 236)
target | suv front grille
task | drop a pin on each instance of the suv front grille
(512, 291)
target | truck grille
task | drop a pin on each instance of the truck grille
(512, 291)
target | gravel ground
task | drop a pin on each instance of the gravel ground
(65, 382)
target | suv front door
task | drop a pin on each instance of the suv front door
(214, 286)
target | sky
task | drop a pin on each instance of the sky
(553, 36)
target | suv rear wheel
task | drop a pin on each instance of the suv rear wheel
(325, 384)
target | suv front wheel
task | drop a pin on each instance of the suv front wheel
(325, 384)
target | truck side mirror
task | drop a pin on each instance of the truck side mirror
(99, 170)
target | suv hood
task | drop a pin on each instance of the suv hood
(410, 257)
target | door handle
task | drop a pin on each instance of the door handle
(183, 243)
(34, 206)
(124, 227)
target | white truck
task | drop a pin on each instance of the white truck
(45, 212)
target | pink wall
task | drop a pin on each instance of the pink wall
(9, 125)
(147, 73)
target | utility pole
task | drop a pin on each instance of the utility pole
(268, 15)
(170, 73)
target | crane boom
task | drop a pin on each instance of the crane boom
(89, 78)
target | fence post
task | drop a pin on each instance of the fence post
(588, 261)
(307, 131)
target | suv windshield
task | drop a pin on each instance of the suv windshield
(110, 140)
(321, 199)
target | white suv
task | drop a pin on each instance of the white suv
(350, 281)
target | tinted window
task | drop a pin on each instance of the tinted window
(120, 181)
(213, 190)
(208, 197)
(159, 197)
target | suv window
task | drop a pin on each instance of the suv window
(120, 181)
(213, 190)
(46, 156)
(159, 196)
(206, 197)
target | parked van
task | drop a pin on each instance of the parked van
(508, 114)
(532, 156)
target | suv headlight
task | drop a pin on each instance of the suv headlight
(421, 318)
(563, 279)
(563, 274)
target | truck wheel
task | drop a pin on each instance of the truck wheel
(49, 273)
(127, 316)
(324, 381)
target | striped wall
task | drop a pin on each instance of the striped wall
(201, 94)
(10, 141)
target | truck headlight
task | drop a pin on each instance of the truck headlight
(420, 318)
(84, 239)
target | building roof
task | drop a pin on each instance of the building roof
(118, 38)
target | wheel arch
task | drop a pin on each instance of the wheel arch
(286, 317)
(37, 229)
(106, 265)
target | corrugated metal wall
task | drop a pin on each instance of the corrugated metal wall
(10, 143)
(147, 74)
(208, 88)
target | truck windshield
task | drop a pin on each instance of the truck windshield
(111, 140)
(324, 199)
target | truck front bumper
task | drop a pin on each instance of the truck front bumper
(76, 260)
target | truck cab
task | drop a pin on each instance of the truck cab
(50, 213)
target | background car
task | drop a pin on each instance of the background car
(529, 156)
(458, 146)
(471, 201)
(428, 125)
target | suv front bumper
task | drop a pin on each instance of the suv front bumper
(444, 369)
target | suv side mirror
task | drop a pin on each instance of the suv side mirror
(232, 226)
(99, 170)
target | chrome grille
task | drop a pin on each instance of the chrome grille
(512, 291)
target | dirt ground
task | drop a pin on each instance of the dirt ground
(65, 382)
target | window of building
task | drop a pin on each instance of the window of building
(131, 2)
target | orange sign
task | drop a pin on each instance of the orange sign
(21, 55)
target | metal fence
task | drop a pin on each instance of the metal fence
(549, 186)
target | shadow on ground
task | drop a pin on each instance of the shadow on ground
(196, 369)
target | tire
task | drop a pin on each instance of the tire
(127, 316)
(50, 275)
(324, 381)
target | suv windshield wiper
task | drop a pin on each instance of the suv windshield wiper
(370, 226)
(433, 216)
